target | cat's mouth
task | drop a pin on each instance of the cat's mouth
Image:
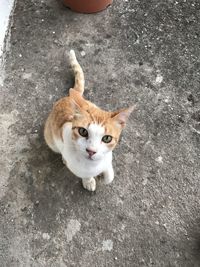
(90, 158)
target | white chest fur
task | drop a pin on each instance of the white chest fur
(77, 162)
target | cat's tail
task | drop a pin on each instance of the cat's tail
(78, 72)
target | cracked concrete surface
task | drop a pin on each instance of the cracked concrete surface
(144, 52)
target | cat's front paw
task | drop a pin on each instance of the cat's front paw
(89, 184)
(108, 176)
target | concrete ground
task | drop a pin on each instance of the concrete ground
(144, 52)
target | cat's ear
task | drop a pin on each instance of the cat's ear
(121, 116)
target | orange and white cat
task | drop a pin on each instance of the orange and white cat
(84, 134)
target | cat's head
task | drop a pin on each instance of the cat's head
(95, 132)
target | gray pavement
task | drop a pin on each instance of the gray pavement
(144, 52)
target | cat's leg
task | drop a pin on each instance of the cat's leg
(89, 183)
(48, 135)
(108, 175)
(64, 161)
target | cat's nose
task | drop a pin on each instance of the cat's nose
(90, 152)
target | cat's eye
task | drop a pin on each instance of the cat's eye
(107, 139)
(83, 132)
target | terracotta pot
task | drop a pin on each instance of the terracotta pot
(87, 6)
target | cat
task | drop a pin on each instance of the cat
(84, 134)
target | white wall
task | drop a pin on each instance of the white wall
(5, 10)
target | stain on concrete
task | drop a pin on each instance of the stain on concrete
(73, 227)
(107, 245)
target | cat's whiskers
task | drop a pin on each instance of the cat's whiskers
(74, 147)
